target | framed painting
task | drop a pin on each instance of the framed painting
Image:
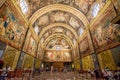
(84, 47)
(12, 31)
(116, 5)
(104, 34)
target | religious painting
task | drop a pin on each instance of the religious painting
(49, 56)
(74, 22)
(84, 47)
(66, 56)
(117, 5)
(105, 34)
(70, 34)
(9, 55)
(53, 55)
(58, 42)
(58, 16)
(11, 29)
(83, 6)
(30, 44)
(43, 20)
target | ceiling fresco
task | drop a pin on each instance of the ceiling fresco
(58, 39)
(60, 23)
(54, 43)
(61, 17)
(60, 30)
(82, 5)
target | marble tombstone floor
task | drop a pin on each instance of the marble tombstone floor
(55, 76)
(62, 76)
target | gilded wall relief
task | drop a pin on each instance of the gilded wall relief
(107, 60)
(28, 62)
(30, 45)
(105, 34)
(9, 55)
(11, 30)
(77, 64)
(88, 63)
(38, 63)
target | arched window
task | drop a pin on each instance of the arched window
(58, 47)
(81, 31)
(24, 6)
(36, 29)
(95, 10)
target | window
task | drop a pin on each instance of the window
(36, 29)
(95, 10)
(24, 6)
(58, 47)
(81, 31)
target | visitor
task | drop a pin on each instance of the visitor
(105, 74)
(51, 69)
(5, 72)
(96, 74)
(110, 75)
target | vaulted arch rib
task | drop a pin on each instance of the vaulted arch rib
(58, 35)
(58, 24)
(61, 7)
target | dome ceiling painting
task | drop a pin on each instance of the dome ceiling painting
(53, 18)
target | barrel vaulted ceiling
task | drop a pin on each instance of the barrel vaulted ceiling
(61, 22)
